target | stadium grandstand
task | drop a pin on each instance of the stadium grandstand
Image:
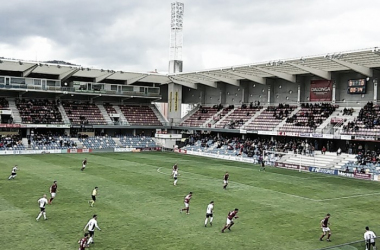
(323, 109)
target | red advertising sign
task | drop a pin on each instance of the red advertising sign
(320, 90)
(362, 176)
(290, 166)
(182, 151)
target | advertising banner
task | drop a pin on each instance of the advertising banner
(290, 166)
(345, 174)
(182, 151)
(363, 176)
(323, 170)
(320, 90)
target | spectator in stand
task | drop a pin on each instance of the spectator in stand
(323, 150)
(339, 151)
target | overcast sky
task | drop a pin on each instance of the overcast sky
(133, 35)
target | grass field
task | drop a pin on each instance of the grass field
(138, 206)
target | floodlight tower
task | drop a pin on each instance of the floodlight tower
(176, 38)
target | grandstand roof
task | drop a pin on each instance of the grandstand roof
(362, 61)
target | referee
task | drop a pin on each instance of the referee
(369, 237)
(93, 196)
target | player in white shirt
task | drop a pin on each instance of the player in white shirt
(91, 225)
(175, 176)
(209, 213)
(13, 173)
(369, 237)
(42, 202)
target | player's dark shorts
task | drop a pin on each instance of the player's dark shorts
(13, 174)
(91, 233)
(209, 215)
(42, 209)
(370, 243)
(175, 178)
(93, 197)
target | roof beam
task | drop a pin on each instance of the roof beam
(202, 81)
(102, 77)
(64, 76)
(221, 79)
(183, 83)
(285, 76)
(253, 78)
(72, 72)
(29, 70)
(321, 73)
(355, 67)
(135, 79)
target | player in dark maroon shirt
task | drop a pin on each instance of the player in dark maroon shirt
(53, 191)
(83, 242)
(187, 203)
(84, 163)
(225, 180)
(325, 228)
(231, 215)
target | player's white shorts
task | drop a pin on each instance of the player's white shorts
(52, 195)
(186, 205)
(225, 182)
(229, 221)
(325, 229)
(83, 166)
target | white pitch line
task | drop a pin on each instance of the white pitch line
(158, 170)
(347, 197)
(293, 195)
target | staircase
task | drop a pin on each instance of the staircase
(325, 123)
(160, 117)
(209, 120)
(15, 114)
(25, 142)
(65, 118)
(224, 117)
(282, 123)
(103, 111)
(117, 141)
(253, 118)
(123, 120)
(79, 144)
(192, 112)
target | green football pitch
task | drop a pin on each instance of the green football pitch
(138, 206)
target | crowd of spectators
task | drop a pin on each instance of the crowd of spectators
(315, 113)
(281, 111)
(10, 141)
(39, 111)
(368, 116)
(348, 111)
(50, 139)
(3, 103)
(256, 146)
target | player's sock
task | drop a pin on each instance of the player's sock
(89, 240)
(175, 182)
(211, 220)
(206, 222)
(44, 214)
(39, 215)
(9, 177)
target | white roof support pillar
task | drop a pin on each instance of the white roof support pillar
(355, 67)
(288, 77)
(253, 78)
(183, 83)
(29, 70)
(135, 79)
(321, 73)
(221, 79)
(101, 78)
(202, 81)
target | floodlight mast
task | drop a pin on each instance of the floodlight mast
(176, 38)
